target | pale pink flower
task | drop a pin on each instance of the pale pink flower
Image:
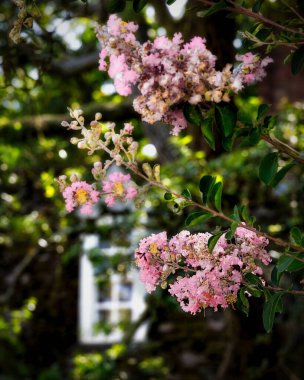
(118, 188)
(82, 194)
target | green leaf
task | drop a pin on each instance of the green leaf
(168, 196)
(170, 2)
(213, 240)
(227, 142)
(257, 6)
(297, 60)
(244, 214)
(206, 184)
(197, 217)
(236, 214)
(242, 302)
(269, 123)
(253, 138)
(116, 6)
(271, 307)
(207, 131)
(230, 234)
(296, 265)
(262, 111)
(268, 167)
(138, 5)
(283, 263)
(281, 174)
(192, 114)
(296, 235)
(186, 193)
(276, 276)
(216, 195)
(215, 8)
(253, 279)
(254, 291)
(226, 118)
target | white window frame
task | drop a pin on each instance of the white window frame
(89, 306)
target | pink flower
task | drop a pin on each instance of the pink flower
(117, 187)
(177, 119)
(82, 194)
(117, 65)
(128, 128)
(102, 63)
(198, 278)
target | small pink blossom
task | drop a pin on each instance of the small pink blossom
(82, 194)
(128, 128)
(118, 187)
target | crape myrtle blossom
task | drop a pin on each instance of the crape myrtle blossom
(169, 72)
(118, 187)
(198, 278)
(81, 194)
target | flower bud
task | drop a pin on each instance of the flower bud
(98, 116)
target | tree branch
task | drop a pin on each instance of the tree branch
(239, 9)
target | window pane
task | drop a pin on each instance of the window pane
(125, 291)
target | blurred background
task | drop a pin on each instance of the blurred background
(71, 303)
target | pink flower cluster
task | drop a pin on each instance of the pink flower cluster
(82, 194)
(200, 279)
(169, 72)
(118, 187)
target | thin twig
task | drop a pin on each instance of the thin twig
(293, 10)
(215, 213)
(284, 148)
(239, 9)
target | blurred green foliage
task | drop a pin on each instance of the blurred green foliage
(40, 244)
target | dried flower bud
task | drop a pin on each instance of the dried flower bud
(74, 140)
(74, 177)
(82, 145)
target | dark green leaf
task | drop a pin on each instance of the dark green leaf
(170, 2)
(138, 5)
(197, 217)
(236, 214)
(216, 195)
(257, 6)
(225, 117)
(230, 234)
(207, 130)
(253, 279)
(254, 291)
(262, 111)
(192, 114)
(186, 193)
(206, 184)
(213, 240)
(271, 307)
(297, 60)
(116, 6)
(242, 302)
(253, 138)
(269, 123)
(296, 265)
(281, 174)
(244, 214)
(296, 235)
(283, 263)
(168, 196)
(215, 8)
(227, 142)
(268, 167)
(276, 276)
